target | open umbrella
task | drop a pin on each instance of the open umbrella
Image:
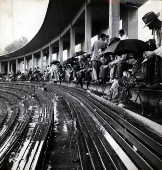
(79, 53)
(112, 45)
(71, 61)
(55, 62)
(131, 46)
(128, 46)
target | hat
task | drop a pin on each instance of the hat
(149, 18)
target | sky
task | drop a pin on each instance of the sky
(20, 18)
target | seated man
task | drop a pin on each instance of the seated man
(119, 63)
(104, 70)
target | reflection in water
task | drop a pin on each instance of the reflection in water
(65, 129)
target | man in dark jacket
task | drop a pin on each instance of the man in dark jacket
(152, 21)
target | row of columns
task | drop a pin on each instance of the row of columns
(114, 18)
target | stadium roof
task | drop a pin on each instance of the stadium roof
(59, 15)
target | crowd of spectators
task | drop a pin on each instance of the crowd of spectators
(100, 67)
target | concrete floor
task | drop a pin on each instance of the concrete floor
(62, 153)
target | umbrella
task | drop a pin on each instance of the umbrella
(112, 45)
(55, 62)
(79, 53)
(87, 55)
(71, 61)
(128, 46)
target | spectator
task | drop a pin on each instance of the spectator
(125, 84)
(122, 35)
(107, 39)
(48, 68)
(153, 23)
(88, 70)
(69, 73)
(113, 94)
(61, 73)
(98, 45)
(151, 20)
(104, 69)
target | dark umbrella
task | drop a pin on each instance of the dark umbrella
(131, 46)
(71, 61)
(79, 53)
(128, 46)
(112, 45)
(55, 62)
(87, 55)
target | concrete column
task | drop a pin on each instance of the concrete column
(68, 53)
(82, 46)
(124, 17)
(88, 28)
(27, 63)
(8, 67)
(11, 67)
(24, 64)
(50, 55)
(41, 60)
(0, 67)
(33, 62)
(57, 55)
(60, 55)
(114, 17)
(133, 23)
(72, 42)
(17, 66)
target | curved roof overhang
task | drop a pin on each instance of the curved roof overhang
(59, 15)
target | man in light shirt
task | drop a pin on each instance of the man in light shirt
(98, 46)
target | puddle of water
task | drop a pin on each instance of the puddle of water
(64, 128)
(55, 111)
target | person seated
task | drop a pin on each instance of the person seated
(125, 84)
(113, 93)
(117, 66)
(104, 70)
(69, 73)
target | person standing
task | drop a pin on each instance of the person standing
(152, 21)
(98, 46)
